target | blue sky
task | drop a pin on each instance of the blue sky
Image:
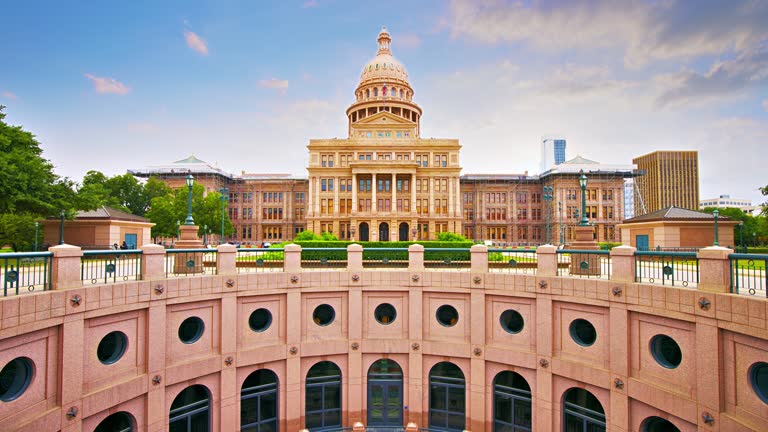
(246, 84)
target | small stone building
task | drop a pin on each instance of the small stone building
(100, 229)
(675, 227)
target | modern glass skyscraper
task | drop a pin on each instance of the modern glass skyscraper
(552, 152)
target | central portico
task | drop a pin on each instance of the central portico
(384, 182)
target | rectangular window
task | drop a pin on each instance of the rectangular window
(330, 184)
(323, 185)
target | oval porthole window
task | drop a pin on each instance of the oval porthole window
(658, 424)
(447, 315)
(191, 330)
(323, 315)
(758, 377)
(260, 320)
(385, 313)
(112, 347)
(15, 378)
(582, 332)
(666, 351)
(511, 321)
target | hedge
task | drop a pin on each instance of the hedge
(369, 252)
(608, 245)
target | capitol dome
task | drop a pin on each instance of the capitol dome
(384, 66)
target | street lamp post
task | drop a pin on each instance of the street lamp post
(224, 197)
(178, 229)
(560, 210)
(61, 228)
(190, 183)
(547, 201)
(583, 183)
(37, 224)
(205, 235)
(716, 214)
(741, 236)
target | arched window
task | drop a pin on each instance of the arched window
(117, 422)
(582, 412)
(401, 93)
(323, 397)
(394, 93)
(375, 91)
(385, 394)
(190, 411)
(367, 93)
(384, 91)
(258, 402)
(511, 403)
(658, 424)
(447, 398)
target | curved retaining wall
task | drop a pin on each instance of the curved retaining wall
(719, 342)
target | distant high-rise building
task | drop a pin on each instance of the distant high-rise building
(629, 198)
(725, 201)
(552, 152)
(671, 179)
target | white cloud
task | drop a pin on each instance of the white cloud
(9, 95)
(108, 85)
(310, 4)
(407, 41)
(196, 42)
(643, 30)
(765, 104)
(274, 84)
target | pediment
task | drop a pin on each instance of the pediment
(383, 118)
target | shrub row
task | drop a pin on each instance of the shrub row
(370, 252)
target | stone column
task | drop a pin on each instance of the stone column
(317, 196)
(65, 266)
(416, 258)
(459, 211)
(479, 258)
(292, 258)
(374, 206)
(623, 264)
(451, 210)
(152, 262)
(335, 196)
(547, 260)
(394, 196)
(431, 200)
(354, 194)
(714, 269)
(413, 194)
(226, 259)
(354, 257)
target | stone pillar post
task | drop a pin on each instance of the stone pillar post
(354, 257)
(478, 259)
(623, 264)
(411, 427)
(65, 266)
(547, 260)
(358, 427)
(416, 258)
(152, 262)
(292, 258)
(714, 269)
(354, 194)
(374, 205)
(226, 259)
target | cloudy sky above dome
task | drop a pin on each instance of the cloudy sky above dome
(246, 85)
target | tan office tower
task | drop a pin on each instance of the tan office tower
(671, 179)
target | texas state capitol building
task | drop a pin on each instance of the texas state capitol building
(385, 182)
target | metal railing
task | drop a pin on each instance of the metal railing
(250, 260)
(584, 263)
(667, 268)
(324, 258)
(513, 260)
(748, 274)
(385, 258)
(447, 259)
(26, 272)
(190, 262)
(107, 266)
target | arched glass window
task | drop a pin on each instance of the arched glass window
(582, 412)
(394, 93)
(385, 394)
(117, 422)
(375, 91)
(190, 411)
(447, 398)
(367, 93)
(323, 401)
(384, 91)
(658, 424)
(258, 402)
(511, 403)
(401, 93)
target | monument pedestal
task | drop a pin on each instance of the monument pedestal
(585, 264)
(188, 262)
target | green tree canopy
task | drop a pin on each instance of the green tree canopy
(754, 228)
(123, 192)
(450, 237)
(166, 210)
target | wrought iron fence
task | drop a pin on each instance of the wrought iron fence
(250, 260)
(748, 275)
(107, 266)
(26, 272)
(324, 258)
(447, 259)
(513, 260)
(385, 258)
(584, 263)
(667, 268)
(190, 262)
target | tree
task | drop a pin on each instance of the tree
(753, 228)
(166, 210)
(123, 192)
(450, 237)
(306, 236)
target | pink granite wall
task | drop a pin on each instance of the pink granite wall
(60, 337)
